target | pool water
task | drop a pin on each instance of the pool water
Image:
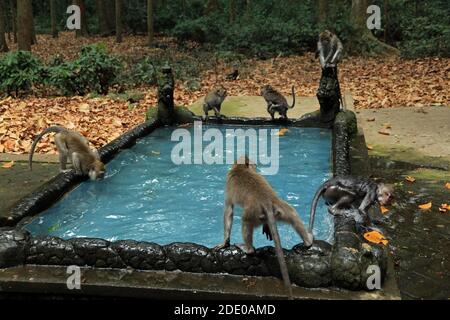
(146, 197)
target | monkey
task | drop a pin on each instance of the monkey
(247, 188)
(346, 192)
(329, 49)
(213, 101)
(72, 145)
(233, 76)
(276, 102)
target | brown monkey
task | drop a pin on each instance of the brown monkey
(213, 101)
(276, 102)
(330, 49)
(74, 146)
(248, 189)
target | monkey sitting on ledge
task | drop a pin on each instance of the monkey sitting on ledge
(349, 192)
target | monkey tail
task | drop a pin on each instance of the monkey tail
(278, 250)
(56, 129)
(315, 200)
(293, 98)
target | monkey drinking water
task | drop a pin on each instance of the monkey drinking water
(348, 192)
(276, 102)
(247, 188)
(213, 101)
(73, 146)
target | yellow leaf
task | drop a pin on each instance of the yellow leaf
(385, 133)
(375, 237)
(410, 179)
(8, 165)
(384, 210)
(157, 153)
(369, 147)
(447, 185)
(282, 132)
(426, 206)
(444, 207)
(370, 119)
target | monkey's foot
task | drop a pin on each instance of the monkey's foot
(246, 249)
(222, 246)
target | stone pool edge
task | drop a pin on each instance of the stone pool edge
(343, 264)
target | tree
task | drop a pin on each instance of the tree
(53, 18)
(232, 11)
(24, 24)
(102, 18)
(363, 37)
(322, 11)
(150, 31)
(84, 29)
(12, 6)
(119, 8)
(3, 44)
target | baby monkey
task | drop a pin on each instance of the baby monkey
(213, 101)
(276, 102)
(347, 192)
(72, 145)
(247, 188)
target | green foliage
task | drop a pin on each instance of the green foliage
(94, 71)
(19, 70)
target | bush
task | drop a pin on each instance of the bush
(94, 71)
(19, 70)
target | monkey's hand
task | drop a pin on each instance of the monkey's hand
(266, 231)
(223, 245)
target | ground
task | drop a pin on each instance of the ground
(417, 146)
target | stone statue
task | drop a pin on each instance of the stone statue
(329, 95)
(166, 86)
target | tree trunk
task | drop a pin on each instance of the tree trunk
(322, 11)
(232, 11)
(13, 7)
(150, 31)
(3, 44)
(363, 38)
(25, 24)
(102, 18)
(111, 15)
(211, 6)
(53, 18)
(119, 8)
(83, 32)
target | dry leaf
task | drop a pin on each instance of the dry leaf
(384, 210)
(426, 206)
(375, 237)
(282, 132)
(156, 153)
(369, 147)
(410, 179)
(370, 119)
(8, 165)
(444, 207)
(447, 185)
(385, 133)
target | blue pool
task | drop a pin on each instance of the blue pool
(146, 197)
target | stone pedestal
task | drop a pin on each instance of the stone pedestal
(328, 95)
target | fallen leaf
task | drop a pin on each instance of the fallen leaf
(387, 126)
(447, 185)
(444, 207)
(375, 237)
(282, 132)
(384, 210)
(370, 119)
(385, 133)
(426, 206)
(84, 107)
(8, 165)
(369, 147)
(410, 179)
(156, 153)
